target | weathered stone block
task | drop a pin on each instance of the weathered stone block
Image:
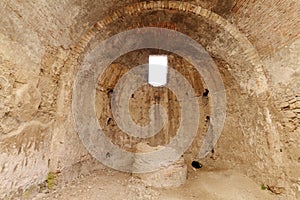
(292, 101)
(28, 99)
(290, 126)
(289, 114)
(297, 104)
(284, 105)
(171, 176)
(297, 110)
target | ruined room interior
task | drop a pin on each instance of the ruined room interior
(47, 145)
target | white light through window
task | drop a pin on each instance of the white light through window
(158, 70)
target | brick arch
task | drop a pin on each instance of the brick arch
(258, 83)
(249, 53)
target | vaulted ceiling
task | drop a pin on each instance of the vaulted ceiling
(268, 24)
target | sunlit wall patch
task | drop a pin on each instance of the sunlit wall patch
(158, 70)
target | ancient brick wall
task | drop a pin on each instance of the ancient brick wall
(43, 46)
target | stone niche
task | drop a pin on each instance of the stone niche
(147, 95)
(139, 105)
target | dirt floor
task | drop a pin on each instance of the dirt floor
(201, 184)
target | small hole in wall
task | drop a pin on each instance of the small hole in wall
(110, 92)
(205, 93)
(196, 164)
(132, 96)
(107, 155)
(212, 154)
(207, 118)
(108, 121)
(280, 150)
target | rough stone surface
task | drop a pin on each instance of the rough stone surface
(166, 177)
(42, 46)
(283, 72)
(259, 18)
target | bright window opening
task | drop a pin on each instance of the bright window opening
(158, 70)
